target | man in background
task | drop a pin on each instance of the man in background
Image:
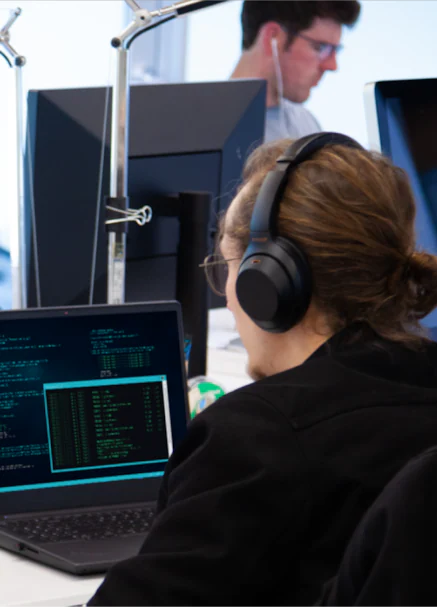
(291, 44)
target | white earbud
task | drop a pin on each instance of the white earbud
(275, 47)
(279, 84)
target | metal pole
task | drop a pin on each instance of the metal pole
(19, 265)
(119, 157)
(18, 242)
(118, 199)
(118, 184)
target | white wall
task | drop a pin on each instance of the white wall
(159, 55)
(213, 42)
(394, 39)
(66, 44)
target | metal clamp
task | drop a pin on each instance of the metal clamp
(18, 59)
(140, 216)
(142, 19)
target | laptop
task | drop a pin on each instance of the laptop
(92, 401)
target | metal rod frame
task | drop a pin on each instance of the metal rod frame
(18, 243)
(120, 138)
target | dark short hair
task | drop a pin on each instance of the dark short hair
(294, 15)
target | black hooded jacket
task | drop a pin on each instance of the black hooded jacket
(260, 499)
(392, 558)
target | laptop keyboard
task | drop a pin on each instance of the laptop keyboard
(91, 525)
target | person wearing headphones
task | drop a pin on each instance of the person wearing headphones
(327, 287)
(291, 44)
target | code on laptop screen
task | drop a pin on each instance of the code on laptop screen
(88, 398)
(107, 422)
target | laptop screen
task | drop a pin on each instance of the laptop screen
(89, 394)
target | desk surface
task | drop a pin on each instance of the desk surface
(24, 582)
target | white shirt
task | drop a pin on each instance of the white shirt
(298, 122)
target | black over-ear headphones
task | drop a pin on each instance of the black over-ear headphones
(274, 283)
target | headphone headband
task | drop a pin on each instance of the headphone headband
(263, 220)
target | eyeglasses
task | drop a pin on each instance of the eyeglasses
(323, 49)
(216, 272)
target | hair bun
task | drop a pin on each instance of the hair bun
(421, 279)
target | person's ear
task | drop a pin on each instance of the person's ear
(271, 31)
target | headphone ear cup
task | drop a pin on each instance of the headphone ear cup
(274, 285)
(303, 275)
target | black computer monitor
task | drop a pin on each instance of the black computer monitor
(401, 120)
(190, 137)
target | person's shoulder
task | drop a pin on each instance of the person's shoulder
(337, 379)
(271, 398)
(239, 430)
(251, 400)
(294, 121)
(297, 112)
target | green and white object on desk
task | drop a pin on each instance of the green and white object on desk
(202, 392)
